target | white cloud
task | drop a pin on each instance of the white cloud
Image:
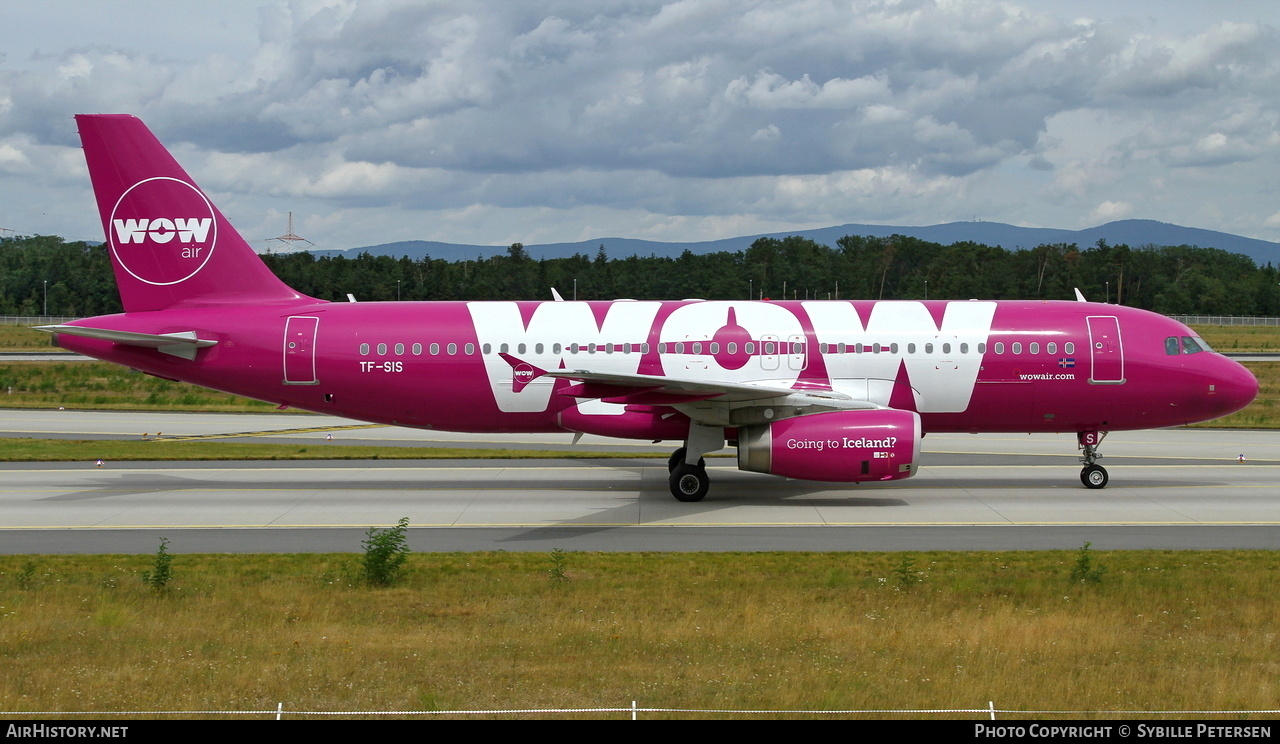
(693, 115)
(1109, 211)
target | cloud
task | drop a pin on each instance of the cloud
(726, 112)
(1109, 211)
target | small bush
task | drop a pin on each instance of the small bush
(905, 573)
(26, 577)
(385, 552)
(161, 572)
(1085, 570)
(558, 565)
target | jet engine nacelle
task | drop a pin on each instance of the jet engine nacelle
(841, 446)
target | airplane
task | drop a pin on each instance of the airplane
(839, 391)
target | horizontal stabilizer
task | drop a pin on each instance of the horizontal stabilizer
(182, 344)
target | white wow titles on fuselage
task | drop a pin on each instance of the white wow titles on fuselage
(724, 322)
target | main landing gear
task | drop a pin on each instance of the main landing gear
(689, 482)
(1092, 475)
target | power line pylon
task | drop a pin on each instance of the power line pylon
(289, 238)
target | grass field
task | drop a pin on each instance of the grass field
(1231, 339)
(21, 338)
(103, 386)
(1161, 631)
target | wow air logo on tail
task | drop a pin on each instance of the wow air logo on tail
(162, 230)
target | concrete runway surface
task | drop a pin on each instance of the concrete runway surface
(1169, 489)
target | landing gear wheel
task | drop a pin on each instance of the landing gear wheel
(677, 457)
(1094, 476)
(689, 482)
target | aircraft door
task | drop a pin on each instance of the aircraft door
(1106, 351)
(300, 350)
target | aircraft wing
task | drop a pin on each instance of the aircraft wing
(707, 401)
(699, 389)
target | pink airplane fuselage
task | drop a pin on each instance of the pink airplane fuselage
(836, 391)
(437, 364)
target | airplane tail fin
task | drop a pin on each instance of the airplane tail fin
(169, 245)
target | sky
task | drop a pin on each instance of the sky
(493, 122)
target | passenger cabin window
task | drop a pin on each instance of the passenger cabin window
(999, 347)
(1069, 348)
(364, 349)
(1035, 347)
(1052, 347)
(1017, 347)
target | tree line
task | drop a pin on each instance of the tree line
(74, 278)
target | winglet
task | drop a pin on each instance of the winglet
(556, 295)
(1079, 296)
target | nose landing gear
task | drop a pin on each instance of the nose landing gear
(1092, 475)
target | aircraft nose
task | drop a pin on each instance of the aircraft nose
(1234, 387)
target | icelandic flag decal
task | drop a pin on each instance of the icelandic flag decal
(1067, 362)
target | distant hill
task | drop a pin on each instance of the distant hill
(1134, 233)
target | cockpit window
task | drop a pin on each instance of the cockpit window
(1193, 344)
(1171, 346)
